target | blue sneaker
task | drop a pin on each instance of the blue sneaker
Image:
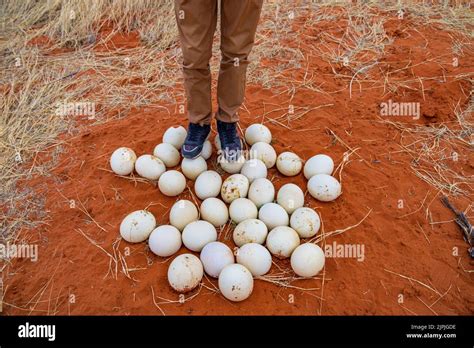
(231, 144)
(195, 139)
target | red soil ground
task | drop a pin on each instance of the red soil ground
(375, 179)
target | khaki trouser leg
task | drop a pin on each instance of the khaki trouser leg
(239, 21)
(196, 21)
(196, 24)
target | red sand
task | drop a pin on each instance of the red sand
(70, 267)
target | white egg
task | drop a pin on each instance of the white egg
(257, 133)
(307, 260)
(149, 167)
(324, 187)
(289, 163)
(215, 256)
(282, 240)
(182, 213)
(235, 186)
(175, 136)
(193, 167)
(235, 282)
(172, 183)
(264, 152)
(255, 257)
(137, 226)
(217, 142)
(214, 211)
(250, 231)
(167, 153)
(290, 197)
(242, 209)
(231, 167)
(185, 273)
(261, 191)
(273, 215)
(208, 184)
(305, 221)
(206, 152)
(165, 240)
(197, 234)
(319, 164)
(122, 161)
(254, 169)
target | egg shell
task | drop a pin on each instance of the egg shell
(231, 167)
(250, 231)
(208, 184)
(235, 186)
(167, 153)
(242, 209)
(254, 169)
(289, 163)
(182, 213)
(305, 221)
(149, 167)
(255, 257)
(172, 183)
(282, 240)
(206, 152)
(175, 136)
(318, 164)
(290, 197)
(235, 282)
(264, 152)
(324, 187)
(192, 168)
(273, 215)
(257, 132)
(197, 234)
(122, 161)
(215, 256)
(261, 191)
(185, 273)
(307, 260)
(214, 211)
(137, 226)
(165, 240)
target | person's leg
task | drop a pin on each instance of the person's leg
(196, 22)
(239, 21)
